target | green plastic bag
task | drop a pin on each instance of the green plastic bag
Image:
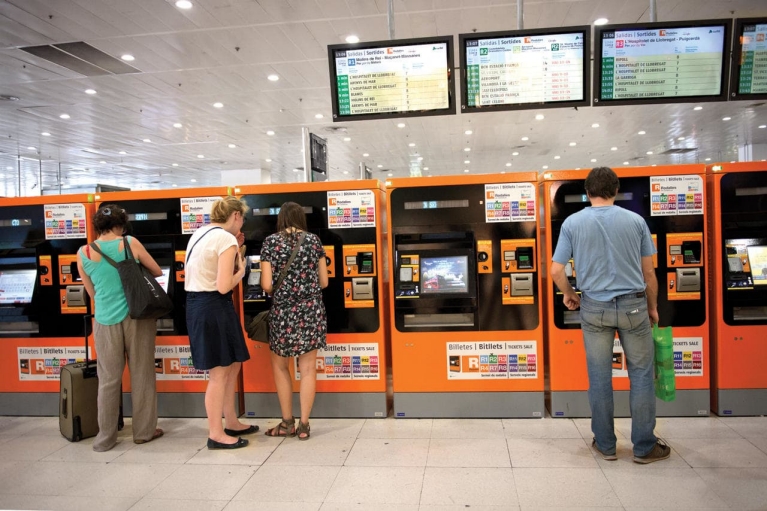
(665, 377)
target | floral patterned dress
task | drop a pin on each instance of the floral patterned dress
(297, 321)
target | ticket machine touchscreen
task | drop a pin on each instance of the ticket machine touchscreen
(16, 286)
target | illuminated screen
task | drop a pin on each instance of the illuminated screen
(391, 78)
(139, 217)
(661, 63)
(16, 286)
(757, 259)
(447, 274)
(525, 68)
(164, 278)
(750, 59)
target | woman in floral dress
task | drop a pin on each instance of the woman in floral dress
(297, 321)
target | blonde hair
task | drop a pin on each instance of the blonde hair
(224, 208)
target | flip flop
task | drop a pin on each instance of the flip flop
(157, 434)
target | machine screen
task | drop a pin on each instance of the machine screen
(757, 259)
(447, 274)
(16, 286)
(164, 278)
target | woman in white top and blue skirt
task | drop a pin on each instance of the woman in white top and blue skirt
(214, 267)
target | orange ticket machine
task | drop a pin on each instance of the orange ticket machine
(163, 221)
(738, 248)
(466, 327)
(42, 298)
(672, 201)
(348, 217)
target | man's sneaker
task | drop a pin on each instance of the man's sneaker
(660, 451)
(608, 457)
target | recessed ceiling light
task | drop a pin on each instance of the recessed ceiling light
(763, 126)
(680, 138)
(426, 168)
(573, 144)
(147, 140)
(379, 166)
(655, 164)
(515, 153)
(508, 164)
(525, 139)
(625, 163)
(467, 149)
(174, 185)
(613, 148)
(726, 118)
(539, 117)
(420, 158)
(128, 57)
(90, 91)
(103, 162)
(45, 134)
(177, 125)
(468, 132)
(352, 39)
(64, 116)
(593, 160)
(9, 168)
(194, 180)
(733, 161)
(268, 160)
(401, 125)
(557, 157)
(601, 21)
(270, 133)
(708, 159)
(545, 167)
(201, 156)
(365, 155)
(297, 169)
(31, 148)
(218, 104)
(346, 171)
(318, 116)
(390, 174)
(123, 152)
(411, 144)
(465, 170)
(595, 125)
(698, 108)
(466, 162)
(183, 4)
(643, 132)
(273, 78)
(503, 172)
(174, 164)
(232, 146)
(649, 152)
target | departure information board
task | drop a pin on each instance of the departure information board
(662, 62)
(525, 69)
(749, 70)
(388, 79)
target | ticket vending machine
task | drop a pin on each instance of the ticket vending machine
(466, 328)
(163, 221)
(738, 247)
(42, 298)
(671, 199)
(348, 217)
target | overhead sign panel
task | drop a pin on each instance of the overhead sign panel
(748, 78)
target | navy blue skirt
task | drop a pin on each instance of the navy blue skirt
(215, 336)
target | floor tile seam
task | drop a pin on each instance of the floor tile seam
(257, 468)
(760, 449)
(273, 450)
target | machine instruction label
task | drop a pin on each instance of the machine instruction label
(688, 357)
(510, 202)
(676, 195)
(65, 221)
(351, 208)
(195, 213)
(356, 361)
(43, 363)
(492, 360)
(175, 363)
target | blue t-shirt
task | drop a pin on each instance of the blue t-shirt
(607, 245)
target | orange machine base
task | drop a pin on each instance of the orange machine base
(688, 403)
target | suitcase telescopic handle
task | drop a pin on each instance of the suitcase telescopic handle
(64, 408)
(86, 319)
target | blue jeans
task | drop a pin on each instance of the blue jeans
(599, 321)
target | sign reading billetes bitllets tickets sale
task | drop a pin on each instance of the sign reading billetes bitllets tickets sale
(510, 202)
(195, 213)
(676, 195)
(351, 208)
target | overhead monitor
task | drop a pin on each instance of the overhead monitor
(757, 260)
(444, 275)
(661, 62)
(16, 286)
(521, 69)
(389, 79)
(748, 77)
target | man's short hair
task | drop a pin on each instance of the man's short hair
(602, 182)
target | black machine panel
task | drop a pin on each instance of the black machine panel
(435, 232)
(744, 255)
(261, 221)
(569, 197)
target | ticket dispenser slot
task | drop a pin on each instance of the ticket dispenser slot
(688, 280)
(75, 296)
(362, 288)
(522, 284)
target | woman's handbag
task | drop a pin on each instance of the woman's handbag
(146, 298)
(258, 328)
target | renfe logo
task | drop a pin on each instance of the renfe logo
(662, 33)
(527, 40)
(491, 195)
(332, 201)
(656, 187)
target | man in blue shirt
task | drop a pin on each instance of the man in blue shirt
(612, 251)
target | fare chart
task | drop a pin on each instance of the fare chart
(525, 69)
(393, 79)
(662, 63)
(753, 65)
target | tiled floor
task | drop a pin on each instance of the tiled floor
(388, 464)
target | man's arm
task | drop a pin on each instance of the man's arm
(571, 299)
(648, 272)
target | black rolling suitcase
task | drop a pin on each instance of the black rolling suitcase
(78, 416)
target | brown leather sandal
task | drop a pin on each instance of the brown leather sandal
(284, 429)
(303, 429)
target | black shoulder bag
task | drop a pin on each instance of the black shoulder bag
(146, 298)
(258, 328)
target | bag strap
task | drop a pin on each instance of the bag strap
(284, 271)
(128, 253)
(189, 253)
